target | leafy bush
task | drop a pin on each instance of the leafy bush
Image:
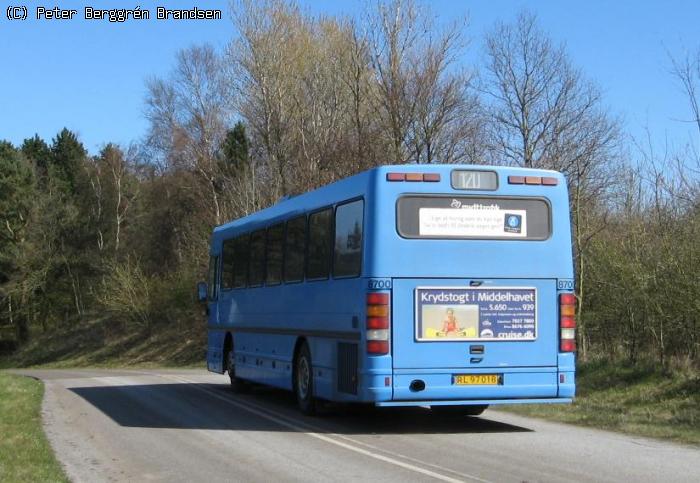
(127, 293)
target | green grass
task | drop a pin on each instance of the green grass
(25, 454)
(102, 343)
(644, 400)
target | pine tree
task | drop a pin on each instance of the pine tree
(68, 156)
(38, 152)
(235, 149)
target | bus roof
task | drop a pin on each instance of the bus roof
(355, 186)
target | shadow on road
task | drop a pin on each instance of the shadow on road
(193, 406)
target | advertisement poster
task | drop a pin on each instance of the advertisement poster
(472, 313)
(473, 221)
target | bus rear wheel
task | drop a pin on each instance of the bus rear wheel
(473, 410)
(304, 380)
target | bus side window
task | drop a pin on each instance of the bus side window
(240, 261)
(275, 239)
(256, 276)
(227, 265)
(347, 258)
(213, 278)
(318, 261)
(294, 249)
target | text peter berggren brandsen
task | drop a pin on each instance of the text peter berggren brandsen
(119, 15)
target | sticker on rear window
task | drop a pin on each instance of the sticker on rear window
(472, 221)
(469, 313)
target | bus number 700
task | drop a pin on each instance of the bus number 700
(379, 284)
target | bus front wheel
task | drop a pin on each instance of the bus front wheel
(304, 380)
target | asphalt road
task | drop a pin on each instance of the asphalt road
(112, 425)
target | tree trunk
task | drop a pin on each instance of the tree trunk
(579, 274)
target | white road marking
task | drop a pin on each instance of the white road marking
(351, 445)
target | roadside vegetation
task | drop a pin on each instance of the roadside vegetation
(100, 342)
(25, 454)
(643, 399)
(99, 253)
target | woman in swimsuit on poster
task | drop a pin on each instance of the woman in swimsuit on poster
(449, 325)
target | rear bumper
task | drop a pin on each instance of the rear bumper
(439, 386)
(518, 385)
(466, 402)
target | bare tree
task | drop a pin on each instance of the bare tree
(449, 124)
(540, 103)
(125, 189)
(189, 114)
(424, 104)
(354, 61)
(394, 38)
(687, 72)
(263, 57)
(545, 115)
(687, 164)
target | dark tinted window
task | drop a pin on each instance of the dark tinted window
(227, 264)
(294, 249)
(275, 238)
(347, 260)
(473, 218)
(320, 239)
(213, 277)
(240, 261)
(256, 274)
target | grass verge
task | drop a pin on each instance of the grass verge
(100, 342)
(641, 399)
(25, 454)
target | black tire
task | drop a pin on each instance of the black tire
(237, 384)
(473, 410)
(304, 381)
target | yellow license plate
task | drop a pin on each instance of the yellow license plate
(476, 379)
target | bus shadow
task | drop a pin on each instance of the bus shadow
(214, 407)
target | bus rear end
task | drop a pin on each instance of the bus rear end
(475, 269)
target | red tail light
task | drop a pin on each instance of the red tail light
(377, 322)
(567, 322)
(568, 345)
(378, 347)
(378, 330)
(377, 298)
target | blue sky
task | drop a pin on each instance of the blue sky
(89, 75)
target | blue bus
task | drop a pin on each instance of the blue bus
(449, 286)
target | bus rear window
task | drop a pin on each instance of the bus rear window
(479, 218)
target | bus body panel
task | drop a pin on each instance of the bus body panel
(215, 350)
(459, 263)
(268, 322)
